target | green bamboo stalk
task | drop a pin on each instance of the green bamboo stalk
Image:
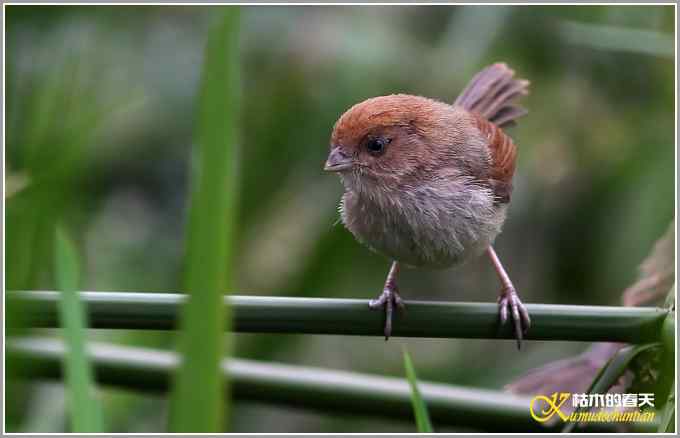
(252, 314)
(335, 392)
(197, 400)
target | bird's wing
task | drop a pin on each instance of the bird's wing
(503, 156)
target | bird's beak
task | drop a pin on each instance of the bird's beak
(337, 161)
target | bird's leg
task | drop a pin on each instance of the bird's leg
(508, 299)
(388, 298)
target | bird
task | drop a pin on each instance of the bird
(428, 183)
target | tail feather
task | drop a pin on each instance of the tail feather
(507, 115)
(492, 92)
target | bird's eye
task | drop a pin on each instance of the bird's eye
(376, 145)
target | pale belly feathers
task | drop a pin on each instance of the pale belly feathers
(426, 226)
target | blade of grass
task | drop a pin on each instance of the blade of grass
(197, 403)
(85, 413)
(610, 373)
(419, 408)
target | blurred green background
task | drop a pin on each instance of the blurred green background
(101, 107)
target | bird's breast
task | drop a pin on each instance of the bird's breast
(429, 225)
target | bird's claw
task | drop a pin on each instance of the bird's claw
(509, 299)
(388, 299)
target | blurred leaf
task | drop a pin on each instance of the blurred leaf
(669, 303)
(197, 403)
(668, 366)
(657, 273)
(571, 374)
(54, 115)
(668, 328)
(15, 182)
(667, 424)
(419, 408)
(611, 372)
(615, 38)
(84, 408)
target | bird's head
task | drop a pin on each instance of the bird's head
(386, 139)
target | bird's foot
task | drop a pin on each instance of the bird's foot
(388, 300)
(509, 300)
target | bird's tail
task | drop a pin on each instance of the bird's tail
(492, 93)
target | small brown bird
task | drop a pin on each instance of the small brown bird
(428, 183)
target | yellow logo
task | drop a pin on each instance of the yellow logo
(543, 408)
(607, 407)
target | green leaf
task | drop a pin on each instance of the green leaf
(419, 408)
(197, 402)
(85, 411)
(667, 424)
(610, 373)
(669, 303)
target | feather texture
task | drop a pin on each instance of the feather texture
(491, 94)
(503, 155)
